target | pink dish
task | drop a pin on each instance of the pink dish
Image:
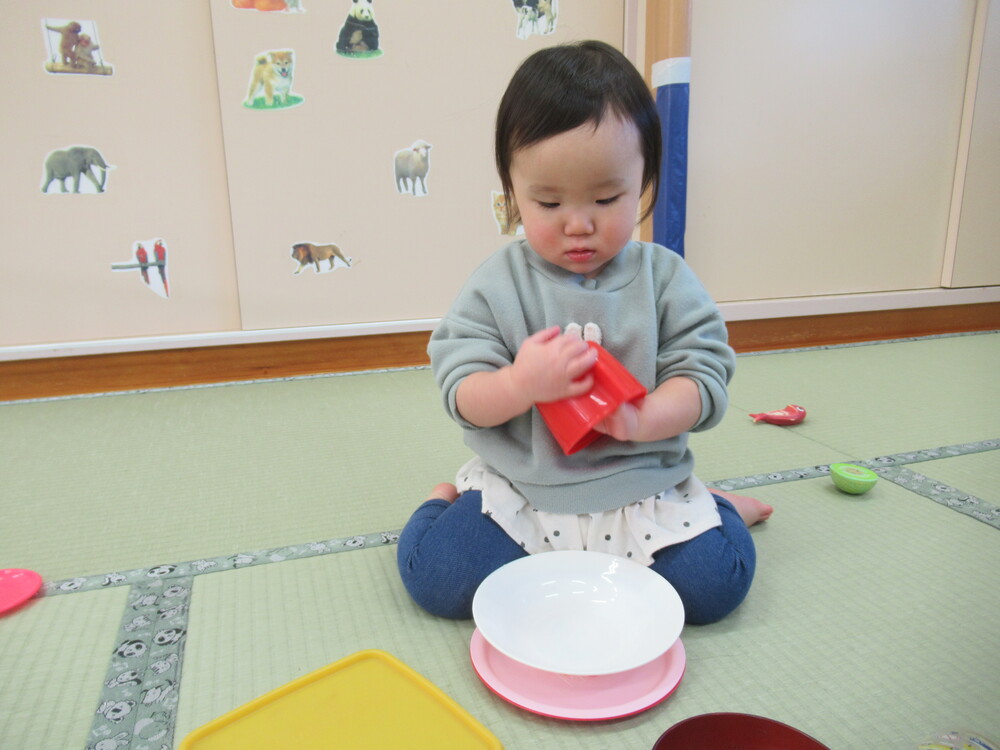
(576, 697)
(16, 587)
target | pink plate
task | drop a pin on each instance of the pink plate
(581, 698)
(16, 587)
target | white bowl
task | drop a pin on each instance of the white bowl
(578, 613)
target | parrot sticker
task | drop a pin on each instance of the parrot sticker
(149, 258)
(74, 47)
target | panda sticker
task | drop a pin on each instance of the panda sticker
(359, 36)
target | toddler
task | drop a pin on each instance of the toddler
(577, 150)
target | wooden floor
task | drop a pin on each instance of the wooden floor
(63, 376)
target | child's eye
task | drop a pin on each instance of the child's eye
(543, 204)
(607, 201)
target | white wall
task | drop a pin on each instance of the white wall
(823, 144)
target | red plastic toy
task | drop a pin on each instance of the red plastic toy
(791, 414)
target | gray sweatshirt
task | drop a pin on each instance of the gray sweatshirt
(657, 320)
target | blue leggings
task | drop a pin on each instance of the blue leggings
(447, 549)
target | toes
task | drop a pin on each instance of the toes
(444, 491)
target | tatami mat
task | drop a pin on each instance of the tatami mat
(888, 398)
(245, 534)
(54, 655)
(977, 474)
(147, 478)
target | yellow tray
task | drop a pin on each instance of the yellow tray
(367, 700)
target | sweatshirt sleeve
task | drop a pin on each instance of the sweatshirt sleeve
(460, 346)
(694, 343)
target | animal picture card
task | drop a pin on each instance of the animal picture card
(410, 168)
(284, 6)
(271, 81)
(359, 35)
(72, 163)
(323, 257)
(501, 214)
(149, 258)
(73, 46)
(535, 17)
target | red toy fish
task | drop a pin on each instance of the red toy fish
(791, 414)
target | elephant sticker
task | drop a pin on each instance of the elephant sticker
(73, 163)
(74, 47)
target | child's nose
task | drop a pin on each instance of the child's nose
(579, 222)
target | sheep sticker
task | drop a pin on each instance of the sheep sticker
(411, 167)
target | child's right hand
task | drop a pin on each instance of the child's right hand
(551, 366)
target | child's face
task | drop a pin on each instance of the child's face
(578, 193)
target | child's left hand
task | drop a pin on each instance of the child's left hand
(622, 424)
(671, 408)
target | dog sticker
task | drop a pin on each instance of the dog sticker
(271, 81)
(149, 258)
(73, 46)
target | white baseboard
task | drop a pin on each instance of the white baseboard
(848, 303)
(731, 311)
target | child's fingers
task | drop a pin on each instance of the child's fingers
(540, 337)
(581, 362)
(622, 424)
(580, 386)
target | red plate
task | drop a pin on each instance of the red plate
(16, 587)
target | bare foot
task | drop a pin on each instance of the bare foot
(444, 491)
(751, 509)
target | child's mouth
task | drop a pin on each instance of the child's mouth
(580, 255)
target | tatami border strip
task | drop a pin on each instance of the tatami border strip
(142, 685)
(883, 465)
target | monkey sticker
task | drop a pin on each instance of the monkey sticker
(410, 166)
(66, 166)
(74, 46)
(271, 81)
(149, 258)
(535, 17)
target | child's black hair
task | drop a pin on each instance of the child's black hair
(561, 88)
